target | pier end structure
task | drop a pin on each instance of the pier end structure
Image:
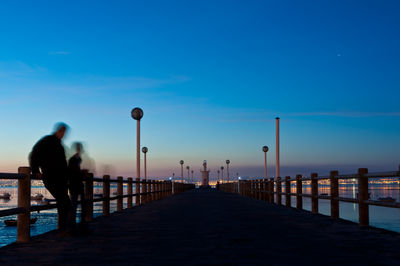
(205, 176)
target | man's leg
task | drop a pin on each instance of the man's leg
(63, 206)
(72, 213)
(52, 188)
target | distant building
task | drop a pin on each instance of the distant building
(205, 176)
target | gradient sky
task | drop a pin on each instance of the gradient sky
(211, 76)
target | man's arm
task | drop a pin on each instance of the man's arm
(35, 158)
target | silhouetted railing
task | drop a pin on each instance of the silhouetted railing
(146, 192)
(270, 190)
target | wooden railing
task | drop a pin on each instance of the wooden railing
(146, 192)
(270, 190)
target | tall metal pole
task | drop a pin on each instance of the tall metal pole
(227, 169)
(265, 149)
(222, 174)
(182, 172)
(145, 150)
(137, 114)
(138, 148)
(181, 162)
(145, 167)
(188, 168)
(277, 147)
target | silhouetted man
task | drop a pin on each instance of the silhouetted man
(48, 155)
(76, 188)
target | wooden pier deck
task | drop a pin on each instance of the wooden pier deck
(210, 227)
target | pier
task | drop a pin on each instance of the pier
(238, 223)
(211, 227)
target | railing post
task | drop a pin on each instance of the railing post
(137, 191)
(287, 191)
(106, 195)
(314, 193)
(144, 191)
(154, 188)
(266, 189)
(334, 195)
(278, 191)
(256, 189)
(163, 188)
(363, 210)
(299, 191)
(130, 192)
(89, 196)
(149, 196)
(249, 189)
(149, 187)
(271, 190)
(120, 193)
(262, 186)
(24, 201)
(253, 184)
(158, 189)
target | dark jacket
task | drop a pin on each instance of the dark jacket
(48, 154)
(75, 176)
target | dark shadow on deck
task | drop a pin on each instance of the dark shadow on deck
(204, 227)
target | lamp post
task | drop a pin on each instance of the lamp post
(145, 185)
(145, 150)
(227, 169)
(265, 149)
(222, 174)
(277, 148)
(188, 168)
(137, 114)
(181, 162)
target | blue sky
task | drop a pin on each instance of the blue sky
(211, 77)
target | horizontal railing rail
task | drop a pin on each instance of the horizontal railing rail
(270, 190)
(146, 192)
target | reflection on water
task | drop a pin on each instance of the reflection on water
(47, 220)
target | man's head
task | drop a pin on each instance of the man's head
(60, 129)
(78, 147)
